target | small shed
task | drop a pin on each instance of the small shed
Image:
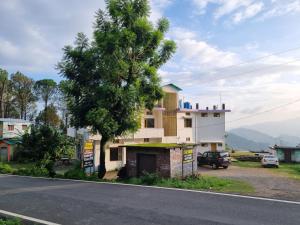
(166, 160)
(7, 149)
(287, 154)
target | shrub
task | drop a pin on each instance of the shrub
(150, 178)
(5, 168)
(4, 221)
(75, 173)
(32, 171)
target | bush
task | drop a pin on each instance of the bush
(76, 173)
(150, 178)
(4, 221)
(5, 168)
(32, 171)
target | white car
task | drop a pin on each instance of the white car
(270, 160)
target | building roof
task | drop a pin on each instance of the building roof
(205, 110)
(173, 86)
(12, 120)
(158, 145)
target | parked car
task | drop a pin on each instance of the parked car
(214, 159)
(270, 160)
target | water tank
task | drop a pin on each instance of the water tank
(187, 105)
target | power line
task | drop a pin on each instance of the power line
(255, 59)
(249, 72)
(253, 115)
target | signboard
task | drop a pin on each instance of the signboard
(187, 155)
(88, 155)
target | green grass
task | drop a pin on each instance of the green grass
(10, 221)
(17, 165)
(197, 183)
(241, 153)
(292, 170)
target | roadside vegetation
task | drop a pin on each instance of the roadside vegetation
(4, 221)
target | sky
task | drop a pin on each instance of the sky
(225, 49)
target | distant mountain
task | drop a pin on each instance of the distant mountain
(239, 143)
(289, 127)
(248, 139)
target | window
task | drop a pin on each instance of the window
(149, 123)
(149, 113)
(220, 144)
(11, 127)
(217, 115)
(187, 122)
(204, 145)
(188, 139)
(146, 139)
(204, 114)
(24, 127)
(188, 114)
(115, 154)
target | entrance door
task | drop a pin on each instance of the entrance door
(3, 154)
(287, 155)
(146, 163)
(213, 147)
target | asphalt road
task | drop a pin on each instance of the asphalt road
(70, 202)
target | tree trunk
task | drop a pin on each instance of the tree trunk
(102, 168)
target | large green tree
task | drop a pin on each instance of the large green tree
(22, 88)
(46, 90)
(4, 86)
(112, 78)
(52, 116)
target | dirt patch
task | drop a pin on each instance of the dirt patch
(266, 183)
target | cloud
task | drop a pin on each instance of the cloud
(281, 8)
(248, 12)
(157, 8)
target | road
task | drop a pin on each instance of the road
(71, 202)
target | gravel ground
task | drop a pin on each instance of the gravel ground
(266, 183)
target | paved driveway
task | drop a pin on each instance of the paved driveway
(70, 202)
(266, 182)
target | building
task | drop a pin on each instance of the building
(287, 154)
(170, 121)
(10, 132)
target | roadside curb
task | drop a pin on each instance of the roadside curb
(163, 188)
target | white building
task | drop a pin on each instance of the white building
(168, 122)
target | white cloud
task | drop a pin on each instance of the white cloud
(248, 12)
(282, 7)
(157, 8)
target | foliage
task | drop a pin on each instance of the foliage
(111, 79)
(45, 145)
(5, 168)
(22, 88)
(194, 182)
(35, 171)
(49, 116)
(14, 221)
(46, 90)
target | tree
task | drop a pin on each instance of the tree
(45, 89)
(52, 116)
(45, 145)
(4, 84)
(114, 77)
(22, 88)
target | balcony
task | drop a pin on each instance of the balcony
(149, 133)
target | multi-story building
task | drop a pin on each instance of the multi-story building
(171, 121)
(10, 132)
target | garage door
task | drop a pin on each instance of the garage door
(146, 163)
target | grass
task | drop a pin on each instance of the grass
(4, 221)
(291, 170)
(196, 183)
(241, 153)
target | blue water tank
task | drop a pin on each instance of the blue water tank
(186, 105)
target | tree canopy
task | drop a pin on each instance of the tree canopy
(112, 78)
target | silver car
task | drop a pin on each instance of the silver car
(270, 160)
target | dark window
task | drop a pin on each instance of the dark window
(24, 127)
(146, 139)
(217, 115)
(204, 114)
(115, 154)
(204, 145)
(188, 114)
(149, 123)
(149, 113)
(188, 139)
(220, 144)
(11, 127)
(187, 122)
